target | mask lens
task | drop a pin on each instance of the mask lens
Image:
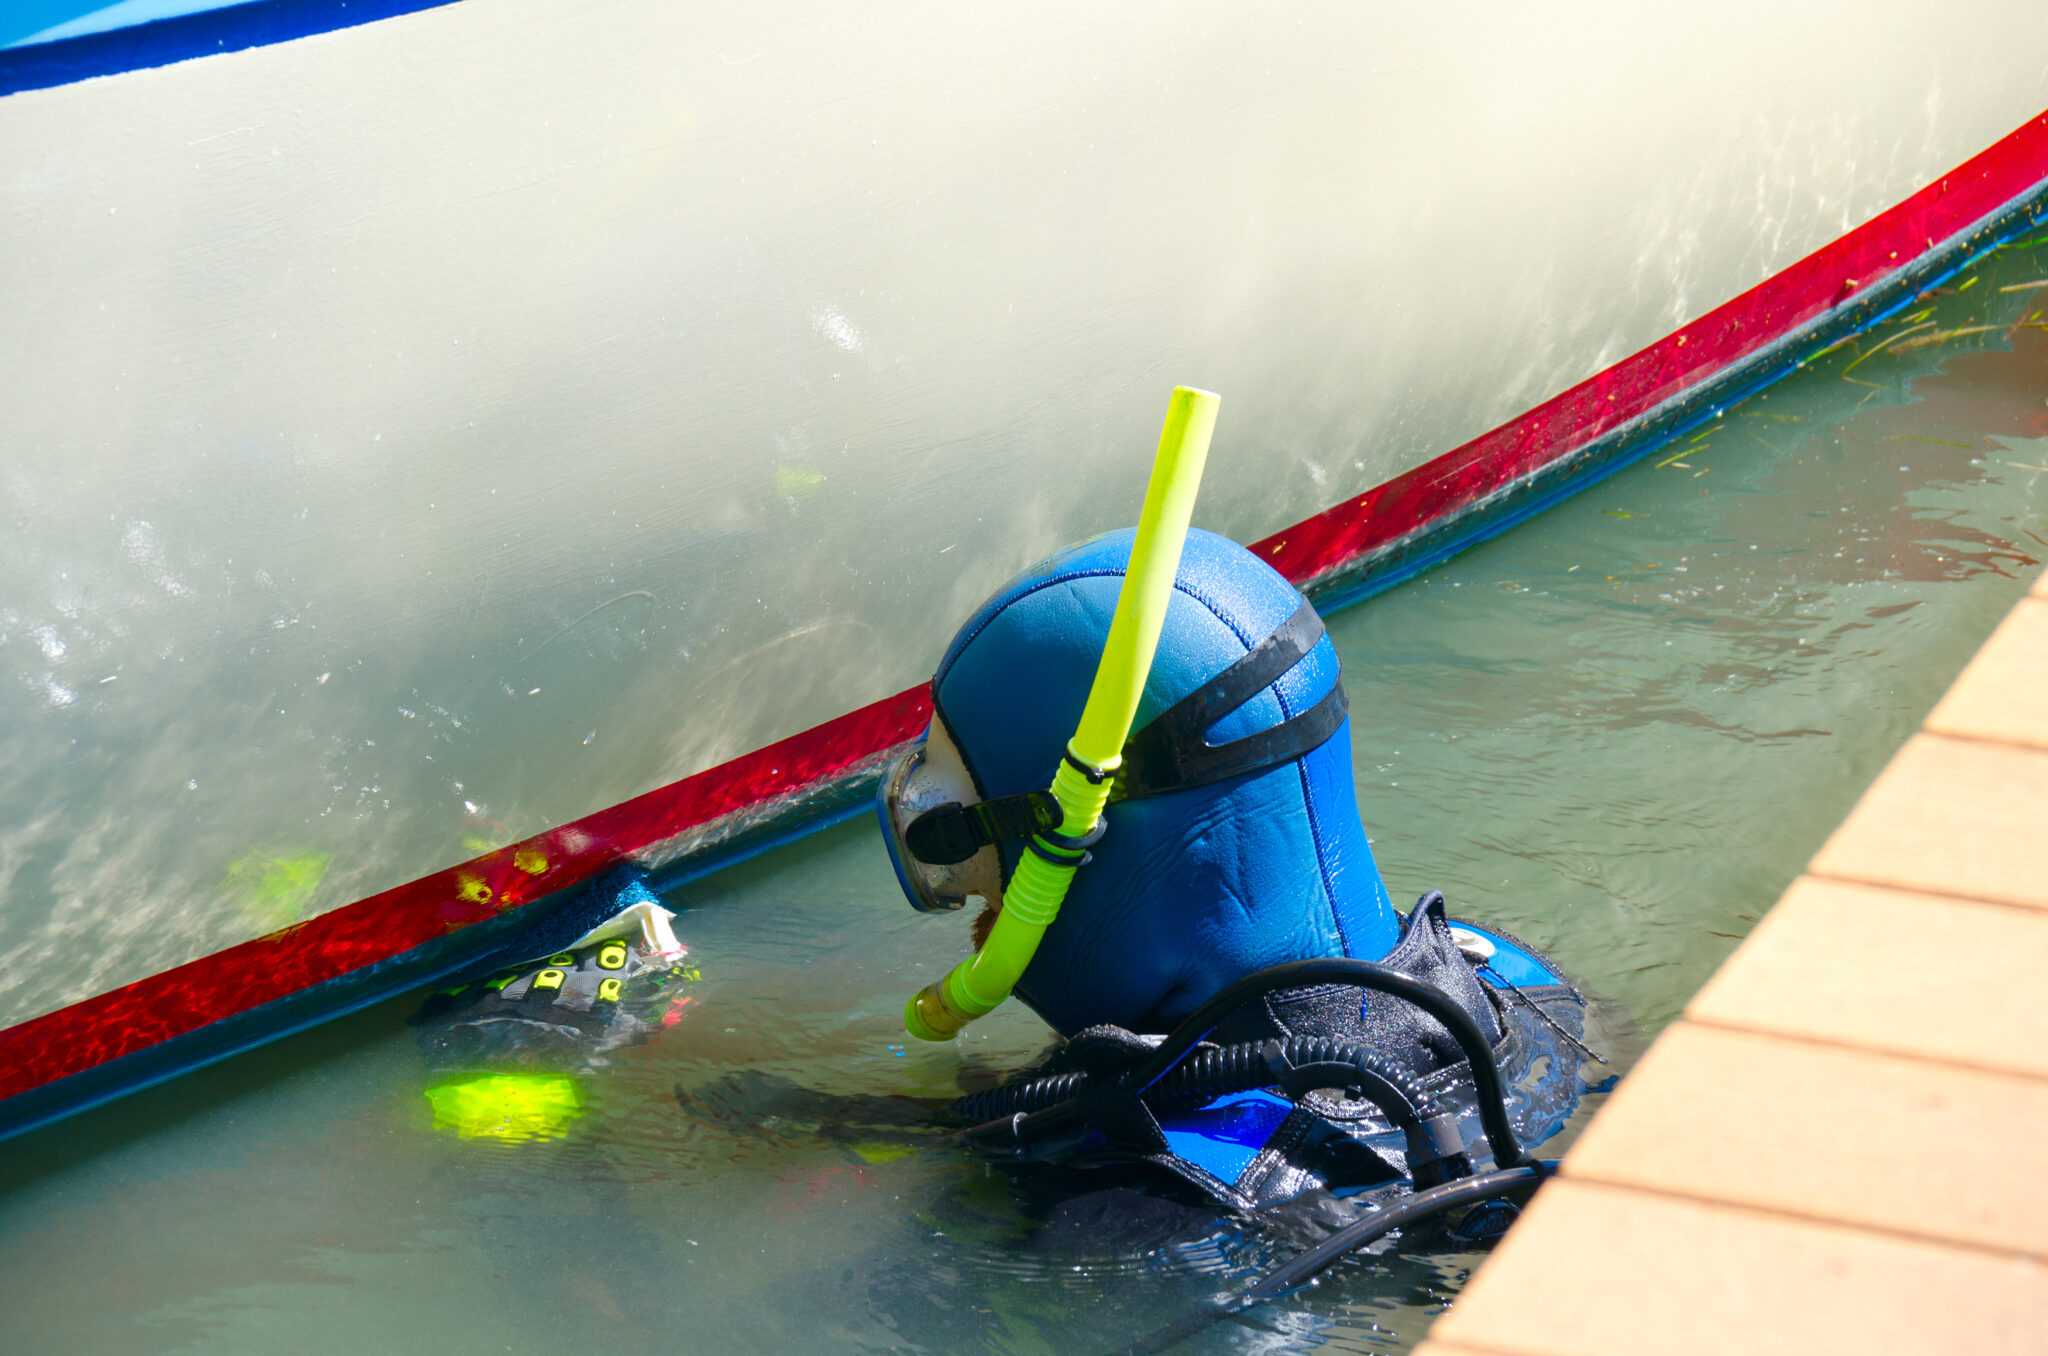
(923, 778)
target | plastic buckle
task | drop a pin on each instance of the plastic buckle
(1095, 775)
(1061, 850)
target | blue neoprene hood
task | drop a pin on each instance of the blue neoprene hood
(1190, 890)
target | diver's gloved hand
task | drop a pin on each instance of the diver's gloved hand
(558, 1013)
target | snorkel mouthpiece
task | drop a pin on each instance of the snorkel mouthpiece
(1032, 900)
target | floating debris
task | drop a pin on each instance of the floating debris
(1880, 346)
(1943, 336)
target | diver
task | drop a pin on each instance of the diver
(1237, 1000)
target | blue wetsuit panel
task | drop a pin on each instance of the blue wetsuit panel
(1513, 964)
(1224, 1137)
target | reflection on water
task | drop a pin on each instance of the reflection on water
(1617, 732)
(1620, 734)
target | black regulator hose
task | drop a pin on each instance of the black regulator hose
(1370, 1229)
(1377, 1225)
(1066, 1116)
(1017, 1099)
(1370, 975)
(1298, 1064)
(1212, 1071)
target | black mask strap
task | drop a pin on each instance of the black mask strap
(950, 833)
(1172, 753)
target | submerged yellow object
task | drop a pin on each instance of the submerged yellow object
(1038, 887)
(276, 888)
(510, 1107)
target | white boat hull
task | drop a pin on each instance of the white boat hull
(423, 435)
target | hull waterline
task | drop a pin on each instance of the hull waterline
(410, 456)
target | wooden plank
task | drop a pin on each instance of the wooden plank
(2003, 694)
(1829, 1133)
(1887, 970)
(1819, 1158)
(1596, 1270)
(1951, 816)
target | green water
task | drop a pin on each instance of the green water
(1617, 731)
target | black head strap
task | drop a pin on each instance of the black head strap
(1173, 753)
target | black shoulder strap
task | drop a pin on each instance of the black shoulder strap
(1173, 753)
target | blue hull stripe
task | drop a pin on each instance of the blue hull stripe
(46, 64)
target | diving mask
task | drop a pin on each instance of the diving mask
(930, 776)
(943, 835)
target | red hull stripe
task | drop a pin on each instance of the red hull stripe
(1829, 276)
(387, 925)
(139, 1015)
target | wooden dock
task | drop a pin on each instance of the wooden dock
(1839, 1147)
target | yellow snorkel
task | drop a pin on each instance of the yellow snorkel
(1031, 901)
